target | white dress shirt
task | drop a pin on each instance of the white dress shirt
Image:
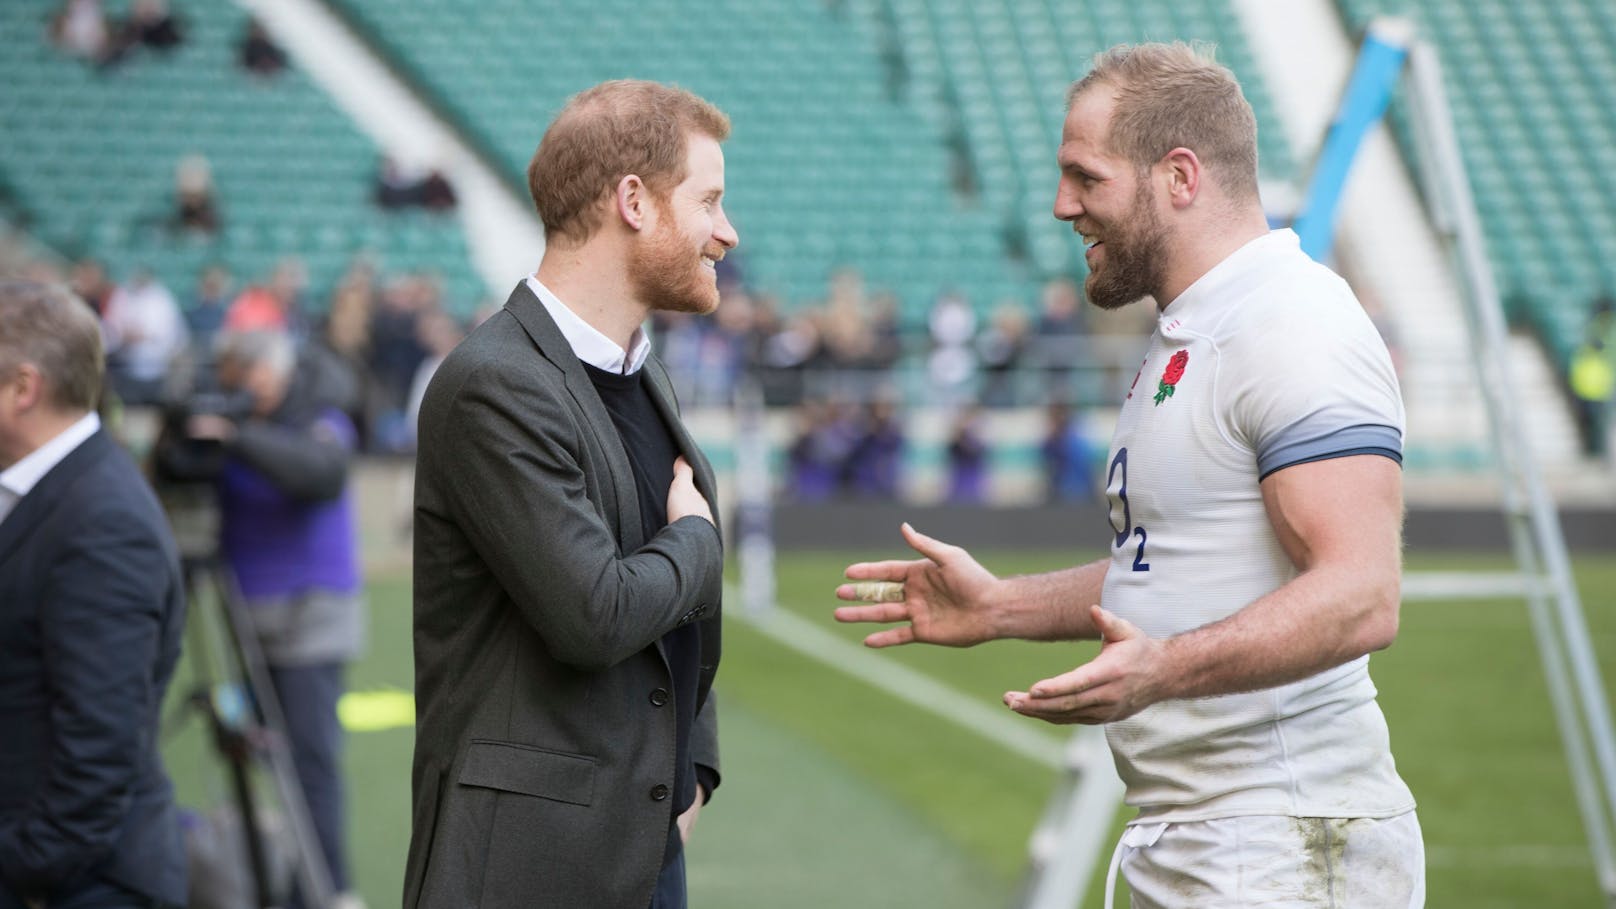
(587, 342)
(17, 480)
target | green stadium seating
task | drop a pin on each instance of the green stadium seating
(825, 167)
(819, 160)
(835, 159)
(89, 160)
(1533, 91)
(1009, 62)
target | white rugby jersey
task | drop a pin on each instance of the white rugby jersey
(1265, 362)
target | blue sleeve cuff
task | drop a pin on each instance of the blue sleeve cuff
(1365, 438)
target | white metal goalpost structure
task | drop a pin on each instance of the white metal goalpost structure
(1543, 566)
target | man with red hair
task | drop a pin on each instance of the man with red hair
(567, 562)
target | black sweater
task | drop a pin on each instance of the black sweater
(651, 452)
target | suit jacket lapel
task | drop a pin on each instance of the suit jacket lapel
(536, 320)
(33, 507)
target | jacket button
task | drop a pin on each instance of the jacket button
(659, 696)
(659, 792)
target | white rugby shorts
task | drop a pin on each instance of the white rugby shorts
(1273, 862)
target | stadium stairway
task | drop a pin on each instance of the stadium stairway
(502, 232)
(1388, 248)
(1533, 90)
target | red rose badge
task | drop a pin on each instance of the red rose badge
(1171, 375)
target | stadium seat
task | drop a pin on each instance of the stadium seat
(814, 130)
(91, 157)
(1533, 90)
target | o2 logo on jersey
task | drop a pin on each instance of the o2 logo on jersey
(1116, 488)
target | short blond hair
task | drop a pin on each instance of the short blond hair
(605, 133)
(47, 326)
(1177, 95)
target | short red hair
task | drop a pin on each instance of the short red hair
(603, 134)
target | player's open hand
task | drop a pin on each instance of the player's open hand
(944, 596)
(1119, 682)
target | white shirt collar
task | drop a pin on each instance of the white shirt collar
(1235, 270)
(20, 478)
(587, 342)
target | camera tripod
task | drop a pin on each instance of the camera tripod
(248, 728)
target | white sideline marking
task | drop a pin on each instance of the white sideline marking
(1007, 730)
(1465, 585)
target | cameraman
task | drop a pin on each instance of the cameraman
(286, 528)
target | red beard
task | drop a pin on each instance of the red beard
(667, 275)
(1131, 268)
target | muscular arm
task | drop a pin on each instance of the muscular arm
(1340, 522)
(1052, 606)
(950, 599)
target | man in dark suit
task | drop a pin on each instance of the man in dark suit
(91, 610)
(567, 565)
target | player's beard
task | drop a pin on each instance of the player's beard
(1133, 256)
(667, 275)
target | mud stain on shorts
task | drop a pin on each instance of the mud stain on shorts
(1324, 845)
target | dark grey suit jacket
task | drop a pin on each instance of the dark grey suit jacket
(545, 730)
(92, 608)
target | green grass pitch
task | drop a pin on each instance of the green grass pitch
(837, 794)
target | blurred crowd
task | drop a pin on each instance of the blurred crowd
(378, 335)
(849, 366)
(853, 344)
(851, 370)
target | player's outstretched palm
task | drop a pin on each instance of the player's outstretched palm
(944, 600)
(1120, 681)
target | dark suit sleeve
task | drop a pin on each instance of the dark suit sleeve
(509, 463)
(100, 635)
